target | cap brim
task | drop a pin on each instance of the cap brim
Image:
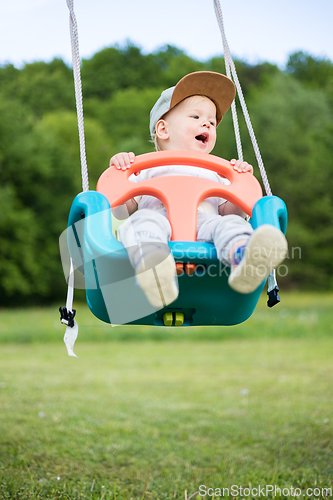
(219, 88)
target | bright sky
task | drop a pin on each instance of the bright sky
(256, 30)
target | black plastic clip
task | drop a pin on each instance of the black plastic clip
(67, 317)
(273, 297)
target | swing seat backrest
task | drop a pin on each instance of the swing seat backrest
(181, 195)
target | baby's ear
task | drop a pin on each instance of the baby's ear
(162, 131)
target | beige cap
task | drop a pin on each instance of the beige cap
(219, 88)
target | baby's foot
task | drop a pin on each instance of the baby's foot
(157, 278)
(265, 250)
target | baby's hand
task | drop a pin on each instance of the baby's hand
(122, 161)
(241, 166)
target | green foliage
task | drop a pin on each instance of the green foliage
(116, 68)
(40, 165)
(36, 180)
(294, 124)
(18, 237)
(174, 65)
(42, 86)
(124, 117)
(312, 71)
(249, 75)
(63, 126)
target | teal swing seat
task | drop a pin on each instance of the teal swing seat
(205, 297)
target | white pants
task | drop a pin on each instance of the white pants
(152, 228)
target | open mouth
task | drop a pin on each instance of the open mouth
(203, 138)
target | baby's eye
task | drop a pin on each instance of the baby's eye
(213, 123)
(196, 117)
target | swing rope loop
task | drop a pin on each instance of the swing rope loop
(78, 92)
(230, 69)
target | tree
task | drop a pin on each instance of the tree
(125, 118)
(311, 71)
(249, 75)
(174, 64)
(63, 126)
(292, 114)
(36, 190)
(294, 126)
(117, 68)
(43, 87)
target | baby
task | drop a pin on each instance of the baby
(185, 117)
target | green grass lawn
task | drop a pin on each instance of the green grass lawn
(147, 413)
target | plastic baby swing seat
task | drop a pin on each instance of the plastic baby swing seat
(205, 297)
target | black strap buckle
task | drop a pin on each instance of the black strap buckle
(67, 317)
(273, 297)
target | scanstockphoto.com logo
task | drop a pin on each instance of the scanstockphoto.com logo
(106, 269)
(204, 263)
(267, 491)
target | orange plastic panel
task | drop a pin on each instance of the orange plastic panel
(181, 198)
(179, 268)
(190, 268)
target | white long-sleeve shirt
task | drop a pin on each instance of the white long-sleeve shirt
(210, 205)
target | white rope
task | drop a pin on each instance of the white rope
(227, 61)
(72, 330)
(78, 92)
(230, 69)
(229, 64)
(70, 289)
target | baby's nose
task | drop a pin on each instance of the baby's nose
(206, 124)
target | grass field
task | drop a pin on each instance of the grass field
(147, 413)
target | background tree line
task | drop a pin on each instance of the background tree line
(291, 111)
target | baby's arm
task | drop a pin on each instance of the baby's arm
(122, 161)
(229, 208)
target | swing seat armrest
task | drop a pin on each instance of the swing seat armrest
(86, 204)
(90, 225)
(270, 210)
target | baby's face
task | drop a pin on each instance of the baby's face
(192, 125)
